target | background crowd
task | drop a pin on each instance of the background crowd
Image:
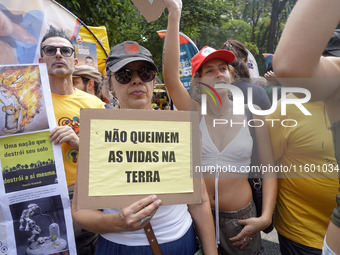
(299, 204)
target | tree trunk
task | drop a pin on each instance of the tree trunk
(276, 9)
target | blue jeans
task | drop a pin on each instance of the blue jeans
(186, 245)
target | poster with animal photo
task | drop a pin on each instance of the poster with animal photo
(35, 206)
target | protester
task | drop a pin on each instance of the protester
(298, 55)
(131, 72)
(57, 52)
(303, 191)
(241, 58)
(88, 79)
(304, 139)
(230, 194)
(242, 75)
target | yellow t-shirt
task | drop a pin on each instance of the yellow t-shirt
(67, 111)
(304, 204)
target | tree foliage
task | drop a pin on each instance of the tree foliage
(256, 23)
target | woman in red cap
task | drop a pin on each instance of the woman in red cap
(227, 148)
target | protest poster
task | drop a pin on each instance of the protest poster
(126, 155)
(35, 214)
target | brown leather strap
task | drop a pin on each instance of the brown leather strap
(152, 239)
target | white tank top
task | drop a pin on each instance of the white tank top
(169, 223)
(237, 154)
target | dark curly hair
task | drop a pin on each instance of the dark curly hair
(240, 62)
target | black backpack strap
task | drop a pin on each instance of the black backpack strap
(254, 156)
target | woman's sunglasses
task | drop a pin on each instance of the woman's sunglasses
(52, 50)
(124, 75)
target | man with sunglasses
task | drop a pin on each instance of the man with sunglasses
(57, 52)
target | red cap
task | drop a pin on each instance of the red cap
(208, 53)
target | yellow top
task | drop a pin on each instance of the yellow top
(67, 111)
(304, 203)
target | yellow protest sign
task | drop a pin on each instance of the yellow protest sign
(139, 153)
(126, 155)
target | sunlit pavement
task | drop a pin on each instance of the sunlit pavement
(270, 243)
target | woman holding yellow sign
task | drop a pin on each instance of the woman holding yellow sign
(131, 73)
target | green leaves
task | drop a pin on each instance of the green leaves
(206, 22)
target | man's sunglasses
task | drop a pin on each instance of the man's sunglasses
(124, 75)
(52, 50)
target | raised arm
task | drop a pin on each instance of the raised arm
(177, 91)
(298, 55)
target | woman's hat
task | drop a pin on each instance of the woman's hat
(125, 53)
(208, 53)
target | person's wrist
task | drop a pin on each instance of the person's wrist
(175, 10)
(175, 14)
(266, 220)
